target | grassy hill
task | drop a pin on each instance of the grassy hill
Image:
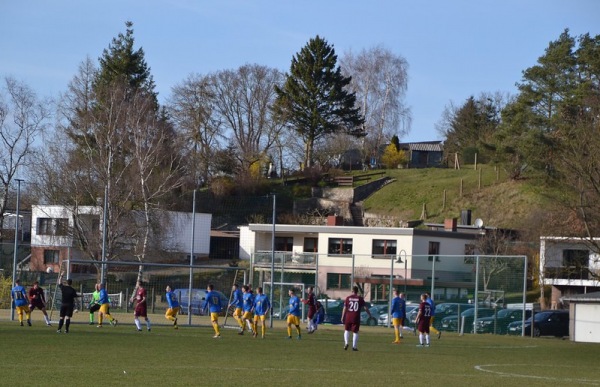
(487, 192)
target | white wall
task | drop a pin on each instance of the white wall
(177, 235)
(586, 323)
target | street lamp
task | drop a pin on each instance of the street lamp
(393, 260)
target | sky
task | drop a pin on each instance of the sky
(454, 48)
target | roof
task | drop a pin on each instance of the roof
(588, 297)
(425, 146)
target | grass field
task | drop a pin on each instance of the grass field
(189, 356)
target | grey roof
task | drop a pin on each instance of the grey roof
(588, 297)
(425, 146)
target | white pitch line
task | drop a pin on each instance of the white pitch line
(550, 378)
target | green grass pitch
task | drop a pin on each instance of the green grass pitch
(121, 356)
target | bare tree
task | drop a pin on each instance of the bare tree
(22, 118)
(380, 81)
(494, 243)
(192, 109)
(243, 100)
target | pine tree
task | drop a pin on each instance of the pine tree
(313, 101)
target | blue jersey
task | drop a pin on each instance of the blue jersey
(248, 302)
(398, 308)
(432, 305)
(172, 299)
(212, 302)
(103, 297)
(19, 295)
(295, 306)
(261, 304)
(237, 299)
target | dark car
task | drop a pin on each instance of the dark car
(546, 323)
(452, 323)
(376, 312)
(498, 323)
(442, 310)
(333, 311)
(198, 298)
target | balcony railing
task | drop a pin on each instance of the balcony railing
(288, 258)
(568, 273)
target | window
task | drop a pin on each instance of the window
(51, 256)
(49, 226)
(338, 281)
(311, 245)
(576, 258)
(434, 249)
(44, 226)
(383, 247)
(469, 254)
(340, 246)
(284, 243)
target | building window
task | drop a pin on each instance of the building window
(434, 250)
(469, 254)
(576, 258)
(340, 246)
(338, 281)
(51, 256)
(284, 243)
(44, 226)
(311, 245)
(383, 247)
(49, 226)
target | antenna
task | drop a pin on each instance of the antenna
(479, 223)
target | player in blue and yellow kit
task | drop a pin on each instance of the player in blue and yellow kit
(294, 314)
(173, 309)
(213, 304)
(237, 300)
(261, 308)
(19, 298)
(432, 329)
(247, 305)
(104, 302)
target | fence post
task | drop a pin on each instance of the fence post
(153, 300)
(126, 300)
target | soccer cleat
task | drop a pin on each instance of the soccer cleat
(345, 347)
(58, 331)
(48, 324)
(29, 322)
(420, 345)
(427, 345)
(99, 326)
(439, 334)
(216, 336)
(66, 331)
(241, 333)
(396, 342)
(299, 337)
(21, 323)
(149, 329)
(355, 349)
(289, 337)
(91, 323)
(139, 330)
(115, 321)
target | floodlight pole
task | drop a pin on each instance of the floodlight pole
(104, 219)
(191, 258)
(14, 271)
(273, 261)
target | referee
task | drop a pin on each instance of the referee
(67, 305)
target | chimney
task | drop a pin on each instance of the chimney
(335, 220)
(450, 224)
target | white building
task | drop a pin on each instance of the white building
(333, 253)
(53, 235)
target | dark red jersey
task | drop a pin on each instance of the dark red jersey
(36, 296)
(354, 304)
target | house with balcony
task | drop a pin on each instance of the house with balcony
(570, 265)
(58, 230)
(335, 256)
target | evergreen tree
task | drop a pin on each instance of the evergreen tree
(313, 101)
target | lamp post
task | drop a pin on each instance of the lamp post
(403, 252)
(273, 259)
(14, 271)
(399, 260)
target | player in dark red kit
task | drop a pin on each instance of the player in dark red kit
(141, 307)
(37, 299)
(422, 321)
(311, 302)
(353, 305)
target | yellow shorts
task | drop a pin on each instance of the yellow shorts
(105, 308)
(22, 309)
(248, 315)
(294, 320)
(172, 312)
(214, 317)
(397, 321)
(262, 318)
(237, 312)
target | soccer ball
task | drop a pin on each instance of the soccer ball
(49, 270)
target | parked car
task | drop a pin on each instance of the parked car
(452, 323)
(198, 298)
(376, 312)
(442, 310)
(546, 323)
(383, 318)
(498, 323)
(333, 311)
